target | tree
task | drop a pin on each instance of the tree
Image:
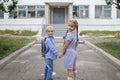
(8, 5)
(2, 7)
(116, 2)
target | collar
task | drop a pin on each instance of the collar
(50, 37)
(71, 32)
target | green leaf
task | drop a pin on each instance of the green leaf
(117, 1)
(109, 2)
(10, 7)
(2, 7)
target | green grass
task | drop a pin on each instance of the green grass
(111, 47)
(28, 33)
(18, 32)
(6, 32)
(112, 44)
(9, 45)
(99, 33)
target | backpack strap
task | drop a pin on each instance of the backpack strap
(48, 47)
(43, 49)
(45, 46)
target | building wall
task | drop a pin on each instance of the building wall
(97, 24)
(33, 24)
(84, 24)
(21, 24)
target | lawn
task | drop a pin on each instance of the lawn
(18, 32)
(111, 47)
(100, 33)
(9, 45)
(108, 44)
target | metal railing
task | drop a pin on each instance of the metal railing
(60, 29)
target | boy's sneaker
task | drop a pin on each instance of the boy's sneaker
(53, 73)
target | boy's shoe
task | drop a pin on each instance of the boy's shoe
(53, 73)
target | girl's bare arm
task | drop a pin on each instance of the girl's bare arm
(67, 42)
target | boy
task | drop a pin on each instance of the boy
(52, 53)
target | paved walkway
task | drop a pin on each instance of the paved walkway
(30, 66)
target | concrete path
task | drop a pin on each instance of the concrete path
(30, 66)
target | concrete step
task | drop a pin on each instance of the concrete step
(60, 30)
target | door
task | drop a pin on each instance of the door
(59, 16)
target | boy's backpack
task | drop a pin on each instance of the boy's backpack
(43, 47)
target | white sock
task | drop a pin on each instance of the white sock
(74, 75)
(70, 78)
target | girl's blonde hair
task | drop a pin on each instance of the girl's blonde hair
(50, 28)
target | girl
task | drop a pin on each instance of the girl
(69, 49)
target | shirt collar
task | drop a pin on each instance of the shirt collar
(50, 37)
(71, 32)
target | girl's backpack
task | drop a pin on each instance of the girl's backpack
(43, 47)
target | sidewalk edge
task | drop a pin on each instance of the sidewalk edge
(12, 56)
(106, 55)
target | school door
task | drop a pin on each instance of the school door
(58, 15)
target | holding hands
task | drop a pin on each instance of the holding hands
(61, 55)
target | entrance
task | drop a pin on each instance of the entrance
(58, 15)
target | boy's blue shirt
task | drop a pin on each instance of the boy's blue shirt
(50, 44)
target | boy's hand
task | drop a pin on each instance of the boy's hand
(61, 55)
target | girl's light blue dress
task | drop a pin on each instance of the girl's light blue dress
(71, 54)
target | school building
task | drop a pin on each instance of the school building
(37, 14)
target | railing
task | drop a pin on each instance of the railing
(60, 29)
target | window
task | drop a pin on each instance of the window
(84, 12)
(118, 13)
(102, 11)
(13, 14)
(81, 11)
(1, 14)
(31, 11)
(40, 11)
(21, 11)
(75, 11)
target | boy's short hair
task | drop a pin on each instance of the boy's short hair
(50, 28)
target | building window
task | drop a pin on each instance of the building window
(81, 11)
(84, 12)
(13, 14)
(118, 13)
(1, 14)
(102, 11)
(40, 11)
(21, 11)
(76, 11)
(31, 11)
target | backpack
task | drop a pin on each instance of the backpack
(43, 47)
